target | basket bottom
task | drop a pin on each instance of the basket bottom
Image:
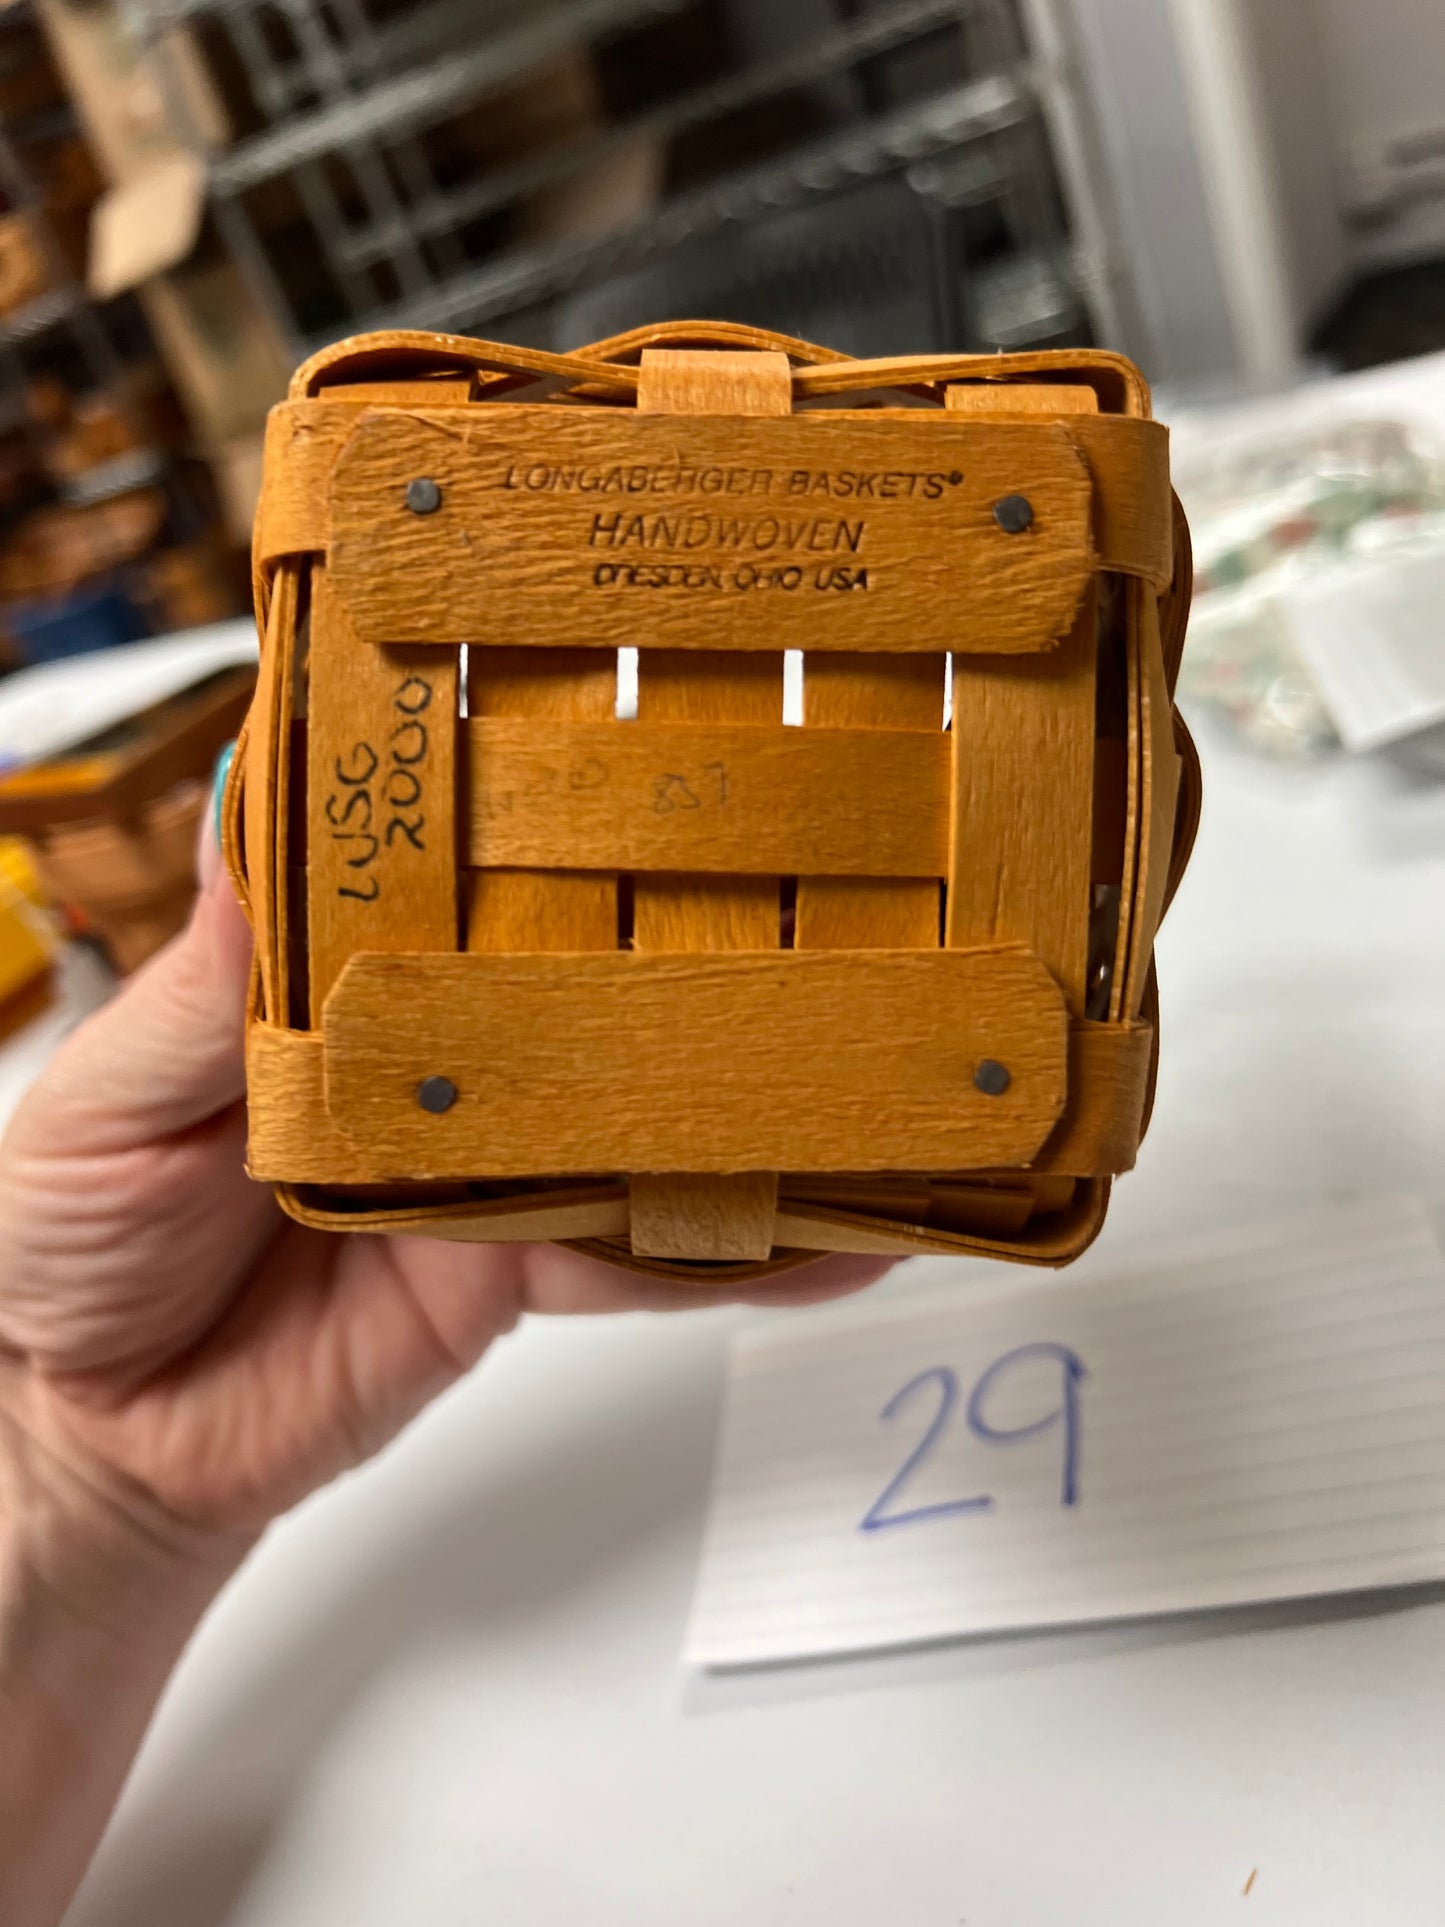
(593, 1219)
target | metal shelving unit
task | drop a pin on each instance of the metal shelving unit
(64, 306)
(64, 303)
(64, 341)
(829, 54)
(346, 99)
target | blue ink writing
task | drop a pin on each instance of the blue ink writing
(1066, 1414)
(878, 1516)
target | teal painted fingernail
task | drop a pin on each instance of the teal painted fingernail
(218, 785)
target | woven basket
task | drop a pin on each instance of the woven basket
(699, 992)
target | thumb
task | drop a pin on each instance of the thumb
(166, 1053)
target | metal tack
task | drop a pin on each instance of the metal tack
(992, 1078)
(1014, 514)
(423, 497)
(436, 1094)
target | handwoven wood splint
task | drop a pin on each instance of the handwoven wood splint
(696, 990)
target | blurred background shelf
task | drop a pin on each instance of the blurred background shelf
(110, 520)
(519, 168)
(196, 193)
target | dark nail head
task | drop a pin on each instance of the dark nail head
(423, 497)
(436, 1094)
(1014, 514)
(992, 1078)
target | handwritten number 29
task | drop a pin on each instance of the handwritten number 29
(878, 1514)
(943, 1383)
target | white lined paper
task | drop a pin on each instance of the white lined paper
(1261, 1415)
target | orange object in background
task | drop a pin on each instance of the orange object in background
(111, 826)
(27, 940)
(128, 882)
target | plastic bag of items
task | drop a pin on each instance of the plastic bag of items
(1320, 571)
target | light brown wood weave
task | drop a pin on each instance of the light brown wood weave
(701, 989)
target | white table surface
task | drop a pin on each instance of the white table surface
(447, 1692)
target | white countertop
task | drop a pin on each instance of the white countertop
(447, 1693)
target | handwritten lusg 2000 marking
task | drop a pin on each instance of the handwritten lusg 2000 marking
(693, 989)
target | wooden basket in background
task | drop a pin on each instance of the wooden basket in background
(37, 248)
(28, 939)
(113, 826)
(700, 991)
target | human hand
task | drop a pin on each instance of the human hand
(179, 1363)
(173, 1352)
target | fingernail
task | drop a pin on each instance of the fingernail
(208, 826)
(218, 786)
